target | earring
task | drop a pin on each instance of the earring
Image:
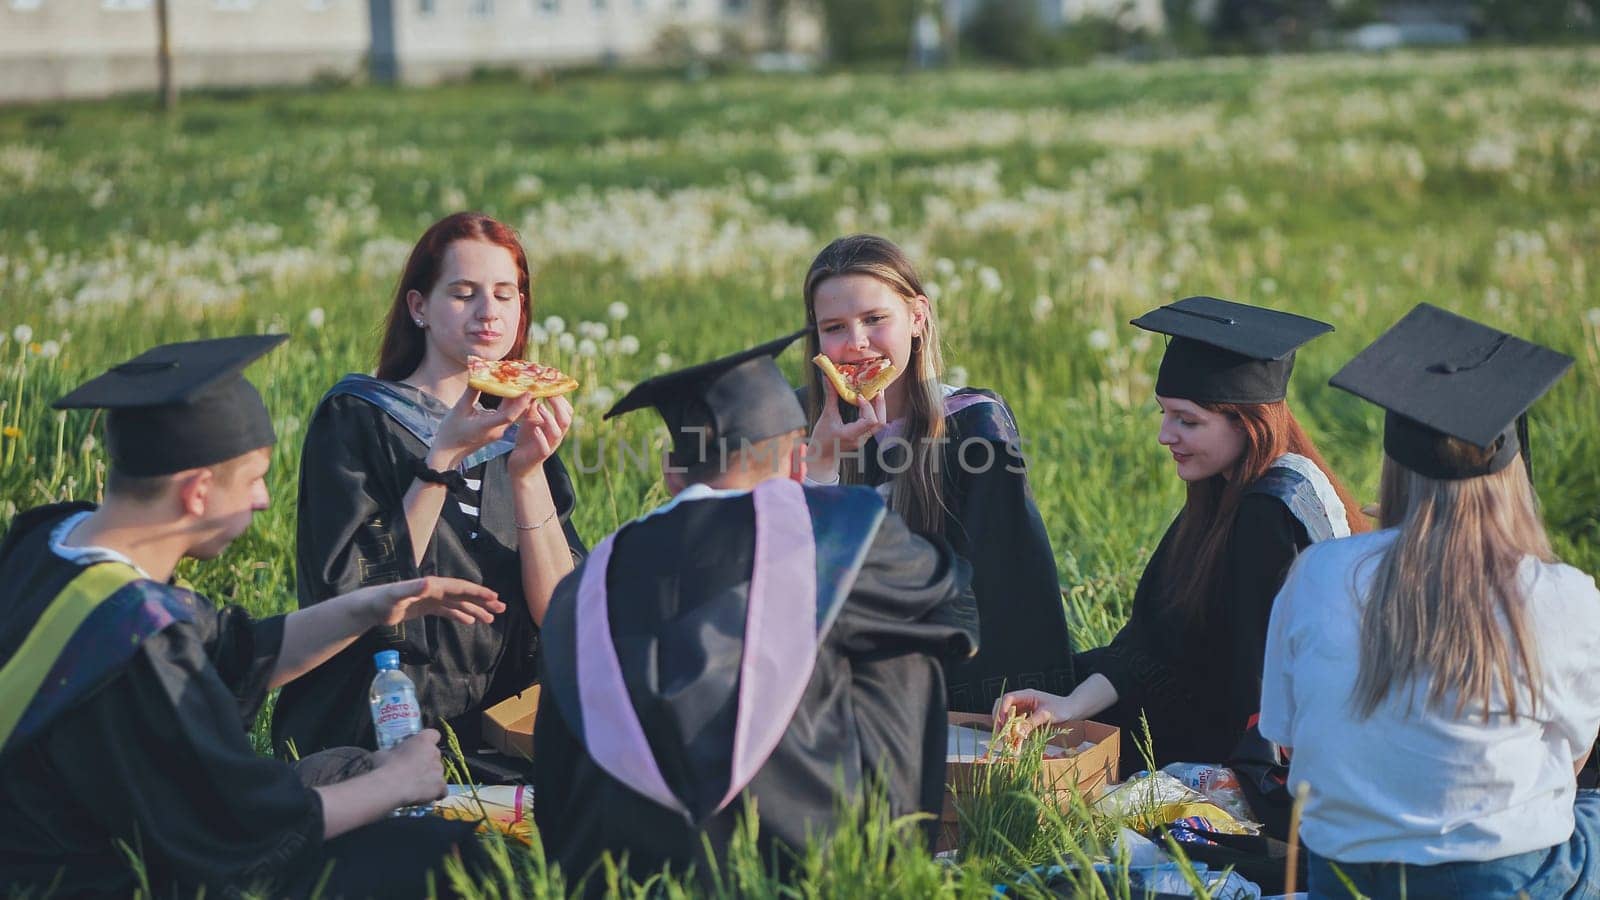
(419, 322)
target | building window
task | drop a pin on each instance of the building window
(125, 4)
(481, 9)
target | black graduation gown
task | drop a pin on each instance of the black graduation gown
(354, 473)
(154, 752)
(993, 523)
(679, 587)
(1199, 684)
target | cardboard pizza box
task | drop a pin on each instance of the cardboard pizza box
(1087, 772)
(508, 725)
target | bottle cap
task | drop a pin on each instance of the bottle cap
(387, 659)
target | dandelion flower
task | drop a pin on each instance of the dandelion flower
(1097, 264)
(88, 444)
(602, 397)
(1269, 285)
(537, 334)
(1594, 316)
(555, 325)
(617, 311)
(945, 266)
(1100, 339)
(627, 345)
(990, 279)
(566, 341)
(1042, 307)
(36, 348)
(316, 317)
(11, 431)
(931, 291)
(956, 376)
(22, 334)
(587, 347)
(663, 361)
(49, 349)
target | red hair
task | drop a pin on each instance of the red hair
(1270, 431)
(403, 344)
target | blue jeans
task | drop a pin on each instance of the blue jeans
(1567, 870)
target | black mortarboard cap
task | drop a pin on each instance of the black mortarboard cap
(1442, 375)
(181, 406)
(1226, 352)
(714, 408)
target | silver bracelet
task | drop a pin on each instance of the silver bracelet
(522, 527)
(814, 481)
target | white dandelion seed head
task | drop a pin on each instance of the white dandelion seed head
(537, 334)
(956, 376)
(628, 345)
(1593, 315)
(989, 278)
(617, 311)
(22, 333)
(1042, 307)
(602, 397)
(932, 291)
(1100, 339)
(555, 324)
(945, 266)
(1269, 285)
(1140, 342)
(587, 347)
(1097, 264)
(663, 360)
(50, 350)
(566, 342)
(316, 318)
(88, 443)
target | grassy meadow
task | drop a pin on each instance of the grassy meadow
(671, 221)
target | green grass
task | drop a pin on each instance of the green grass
(1047, 207)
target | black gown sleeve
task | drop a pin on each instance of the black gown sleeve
(352, 528)
(1132, 661)
(1265, 541)
(244, 652)
(159, 758)
(997, 527)
(911, 612)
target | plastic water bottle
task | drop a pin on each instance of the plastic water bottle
(395, 713)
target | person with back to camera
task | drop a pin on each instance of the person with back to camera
(1437, 682)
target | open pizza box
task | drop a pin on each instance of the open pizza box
(508, 725)
(1095, 752)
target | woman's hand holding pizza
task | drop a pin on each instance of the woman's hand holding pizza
(469, 426)
(543, 427)
(832, 436)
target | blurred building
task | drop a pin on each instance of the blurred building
(53, 49)
(1144, 15)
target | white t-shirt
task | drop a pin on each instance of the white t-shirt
(1422, 787)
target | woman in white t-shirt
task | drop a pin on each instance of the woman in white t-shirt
(1438, 680)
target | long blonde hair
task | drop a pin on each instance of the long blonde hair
(917, 494)
(1445, 603)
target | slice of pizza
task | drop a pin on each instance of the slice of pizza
(515, 377)
(1008, 737)
(852, 380)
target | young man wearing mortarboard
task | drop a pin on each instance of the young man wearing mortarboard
(1439, 679)
(127, 698)
(750, 637)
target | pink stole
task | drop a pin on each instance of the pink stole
(780, 652)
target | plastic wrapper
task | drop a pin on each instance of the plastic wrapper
(506, 808)
(1219, 784)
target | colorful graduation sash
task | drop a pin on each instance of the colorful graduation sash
(403, 404)
(797, 587)
(87, 634)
